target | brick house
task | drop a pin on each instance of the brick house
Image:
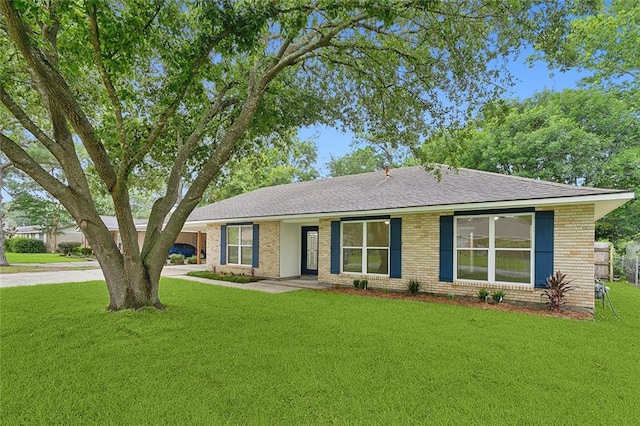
(466, 231)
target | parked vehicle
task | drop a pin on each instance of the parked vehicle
(187, 250)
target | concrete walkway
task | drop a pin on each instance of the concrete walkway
(177, 271)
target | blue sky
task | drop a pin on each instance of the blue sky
(529, 80)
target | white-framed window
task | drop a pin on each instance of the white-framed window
(240, 245)
(365, 247)
(495, 248)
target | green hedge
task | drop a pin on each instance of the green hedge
(68, 247)
(240, 279)
(25, 245)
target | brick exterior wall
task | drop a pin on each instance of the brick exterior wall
(269, 262)
(573, 255)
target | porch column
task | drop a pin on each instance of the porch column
(198, 248)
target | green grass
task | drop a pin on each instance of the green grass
(222, 355)
(41, 258)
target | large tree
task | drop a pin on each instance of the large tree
(44, 213)
(175, 87)
(576, 137)
(5, 166)
(279, 162)
(367, 156)
(606, 44)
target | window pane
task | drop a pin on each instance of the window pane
(352, 234)
(233, 254)
(352, 260)
(513, 266)
(247, 235)
(472, 265)
(377, 234)
(378, 261)
(473, 232)
(232, 235)
(513, 231)
(247, 255)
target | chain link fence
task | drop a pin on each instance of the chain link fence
(630, 263)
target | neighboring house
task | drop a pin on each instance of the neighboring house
(73, 234)
(65, 234)
(111, 222)
(468, 231)
(195, 237)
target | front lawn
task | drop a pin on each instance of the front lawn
(41, 258)
(223, 355)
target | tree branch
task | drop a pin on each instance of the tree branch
(24, 162)
(58, 89)
(29, 125)
(163, 205)
(173, 106)
(104, 75)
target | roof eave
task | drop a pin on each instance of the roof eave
(603, 204)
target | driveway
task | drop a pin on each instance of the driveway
(178, 271)
(71, 276)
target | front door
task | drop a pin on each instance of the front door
(309, 250)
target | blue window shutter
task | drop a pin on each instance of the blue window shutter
(446, 249)
(395, 246)
(335, 247)
(256, 246)
(544, 248)
(223, 245)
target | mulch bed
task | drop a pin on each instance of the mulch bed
(462, 302)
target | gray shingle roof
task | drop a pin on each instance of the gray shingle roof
(111, 222)
(405, 188)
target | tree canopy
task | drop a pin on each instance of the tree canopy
(278, 163)
(576, 137)
(605, 43)
(174, 88)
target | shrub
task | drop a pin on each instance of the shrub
(414, 286)
(192, 259)
(67, 247)
(7, 245)
(498, 296)
(77, 251)
(356, 283)
(176, 259)
(557, 286)
(483, 294)
(86, 251)
(213, 276)
(364, 284)
(27, 245)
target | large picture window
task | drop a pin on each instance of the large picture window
(496, 248)
(240, 244)
(365, 247)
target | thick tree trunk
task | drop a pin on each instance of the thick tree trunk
(130, 284)
(52, 236)
(3, 256)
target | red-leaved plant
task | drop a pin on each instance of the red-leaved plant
(557, 286)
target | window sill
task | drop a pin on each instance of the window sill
(363, 276)
(486, 284)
